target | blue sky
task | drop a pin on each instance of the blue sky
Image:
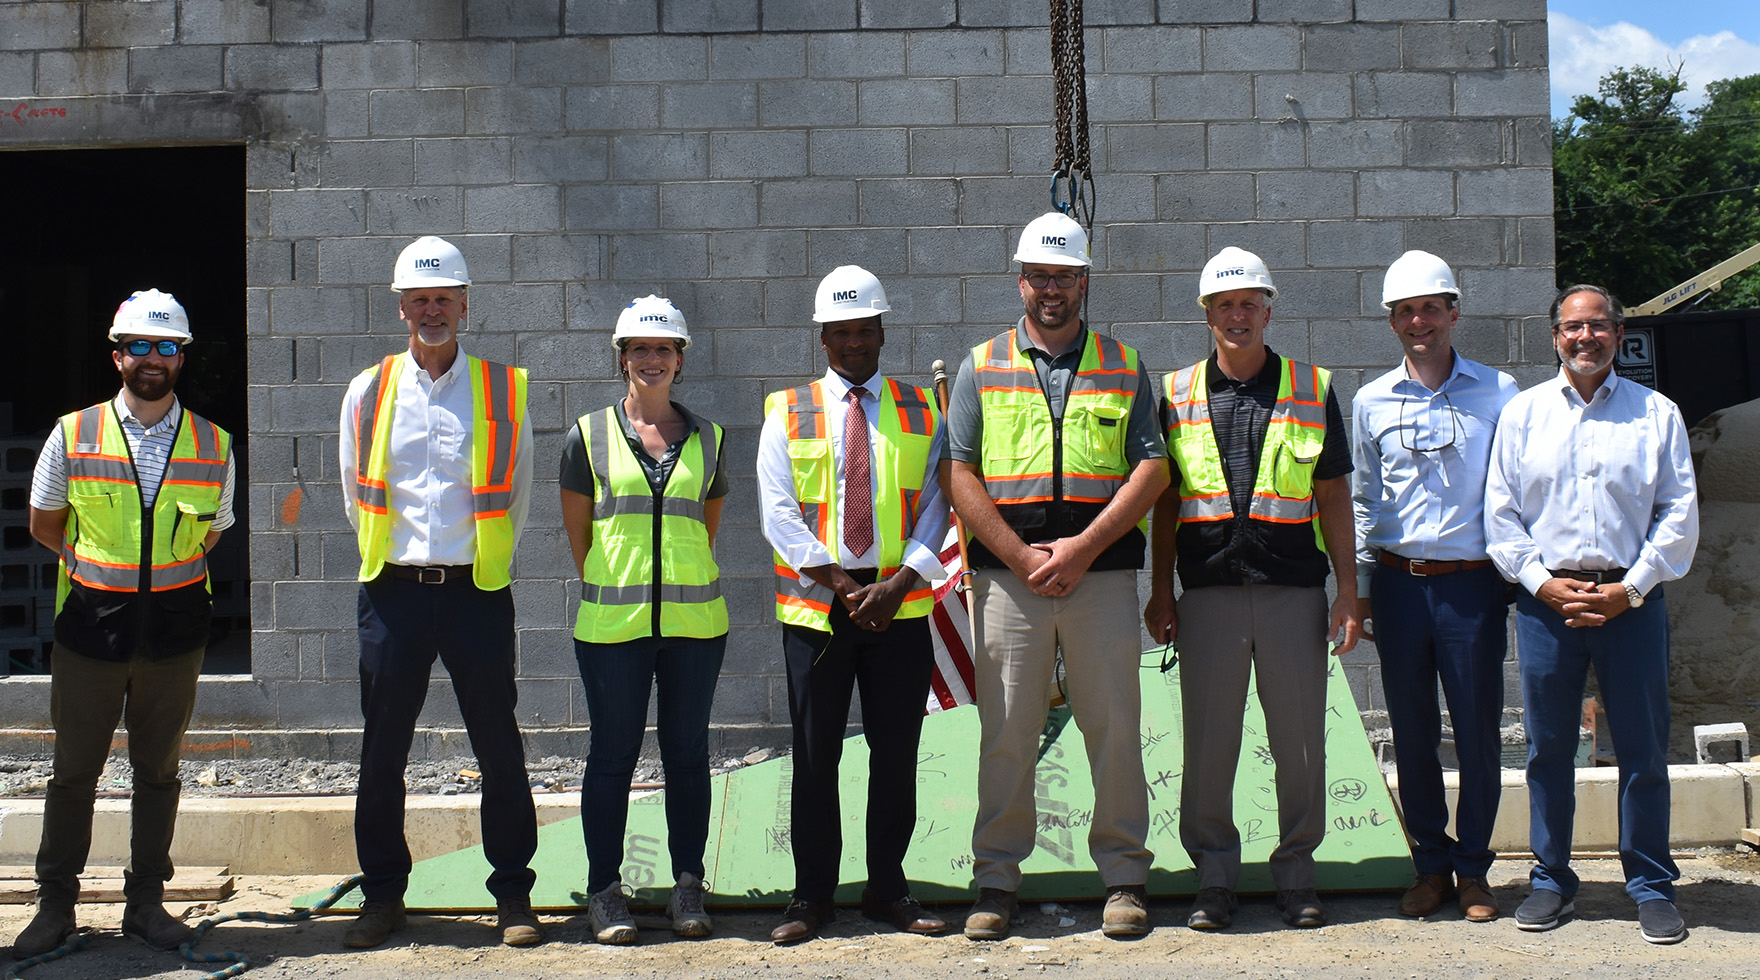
(1587, 38)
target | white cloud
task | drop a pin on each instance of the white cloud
(1581, 54)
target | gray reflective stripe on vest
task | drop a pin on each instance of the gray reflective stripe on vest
(88, 432)
(365, 427)
(497, 394)
(491, 501)
(1281, 508)
(639, 595)
(599, 454)
(1091, 486)
(1019, 486)
(115, 579)
(1182, 387)
(194, 471)
(803, 587)
(1213, 508)
(644, 504)
(99, 468)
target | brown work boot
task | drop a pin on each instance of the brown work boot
(379, 918)
(1127, 911)
(50, 928)
(1427, 895)
(517, 924)
(151, 924)
(1478, 904)
(991, 914)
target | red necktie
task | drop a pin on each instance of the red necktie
(858, 484)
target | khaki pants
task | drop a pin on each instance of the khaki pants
(1017, 637)
(87, 697)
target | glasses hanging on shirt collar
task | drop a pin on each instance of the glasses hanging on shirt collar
(1407, 433)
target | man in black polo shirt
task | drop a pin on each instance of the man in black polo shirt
(1261, 458)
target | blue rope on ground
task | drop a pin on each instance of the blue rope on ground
(76, 940)
(238, 961)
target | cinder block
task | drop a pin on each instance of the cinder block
(762, 153)
(1120, 98)
(659, 256)
(497, 18)
(379, 64)
(1536, 241)
(754, 56)
(262, 67)
(1509, 291)
(660, 156)
(559, 159)
(1303, 11)
(284, 116)
(351, 260)
(501, 109)
(1483, 339)
(1357, 244)
(418, 19)
(602, 206)
(223, 22)
(1442, 45)
(510, 307)
(305, 407)
(447, 64)
(1316, 293)
(1500, 9)
(1155, 147)
(1411, 193)
(41, 26)
(835, 152)
(882, 251)
(1527, 45)
(416, 112)
(314, 604)
(906, 102)
(1512, 191)
(1252, 48)
(1405, 95)
(611, 16)
(305, 310)
(810, 204)
(112, 24)
(1282, 244)
(1147, 248)
(67, 73)
(1355, 144)
(366, 163)
(807, 104)
(1204, 196)
(613, 107)
(479, 160)
(1454, 142)
(911, 202)
(1209, 95)
(745, 254)
(927, 14)
(319, 20)
(959, 150)
(1513, 92)
(1460, 241)
(1305, 96)
(1255, 146)
(1350, 47)
(18, 70)
(175, 69)
(1009, 99)
(1007, 201)
(1207, 12)
(766, 352)
(425, 210)
(709, 105)
(954, 53)
(1533, 142)
(1306, 194)
(1151, 50)
(954, 250)
(709, 17)
(810, 15)
(714, 204)
(317, 212)
(562, 61)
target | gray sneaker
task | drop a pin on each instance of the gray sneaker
(686, 908)
(1543, 910)
(609, 914)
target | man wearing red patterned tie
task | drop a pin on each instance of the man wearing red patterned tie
(850, 501)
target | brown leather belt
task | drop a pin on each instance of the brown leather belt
(429, 574)
(1601, 577)
(1431, 566)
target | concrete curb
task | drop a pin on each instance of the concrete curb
(1711, 804)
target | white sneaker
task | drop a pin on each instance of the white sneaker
(609, 913)
(686, 908)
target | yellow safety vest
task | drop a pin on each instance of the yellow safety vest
(498, 402)
(649, 546)
(907, 424)
(101, 548)
(1283, 490)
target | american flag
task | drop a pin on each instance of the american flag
(951, 684)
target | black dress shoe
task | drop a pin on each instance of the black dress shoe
(802, 920)
(904, 914)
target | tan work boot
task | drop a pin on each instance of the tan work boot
(991, 914)
(379, 918)
(1127, 911)
(518, 926)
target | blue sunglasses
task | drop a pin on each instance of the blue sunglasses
(141, 348)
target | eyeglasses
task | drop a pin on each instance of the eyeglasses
(1573, 327)
(1406, 432)
(1039, 280)
(641, 352)
(141, 348)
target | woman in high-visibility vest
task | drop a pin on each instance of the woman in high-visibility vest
(642, 489)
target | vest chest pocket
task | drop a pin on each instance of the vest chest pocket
(814, 475)
(909, 454)
(190, 531)
(1007, 439)
(1101, 428)
(1292, 472)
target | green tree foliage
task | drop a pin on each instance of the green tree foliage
(1646, 196)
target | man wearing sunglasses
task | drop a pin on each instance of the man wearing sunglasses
(1591, 504)
(131, 493)
(1422, 442)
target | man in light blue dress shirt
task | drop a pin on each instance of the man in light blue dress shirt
(1422, 442)
(1591, 504)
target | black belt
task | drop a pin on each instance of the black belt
(1431, 566)
(1603, 577)
(429, 574)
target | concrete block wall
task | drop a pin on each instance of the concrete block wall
(583, 152)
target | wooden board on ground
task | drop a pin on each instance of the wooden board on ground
(18, 886)
(1751, 837)
(749, 864)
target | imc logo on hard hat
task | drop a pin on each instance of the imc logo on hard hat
(1231, 272)
(427, 263)
(843, 296)
(159, 315)
(652, 318)
(1057, 240)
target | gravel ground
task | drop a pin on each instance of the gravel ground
(310, 777)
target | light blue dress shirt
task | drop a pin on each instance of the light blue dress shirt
(1418, 489)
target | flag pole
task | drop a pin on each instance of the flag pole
(965, 565)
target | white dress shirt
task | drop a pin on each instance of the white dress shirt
(1591, 486)
(429, 481)
(150, 448)
(1418, 486)
(779, 511)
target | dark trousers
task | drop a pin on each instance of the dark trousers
(1451, 629)
(87, 697)
(403, 626)
(618, 679)
(1630, 656)
(892, 669)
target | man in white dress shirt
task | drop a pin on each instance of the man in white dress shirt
(1591, 504)
(436, 472)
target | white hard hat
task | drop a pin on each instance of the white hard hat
(1233, 268)
(428, 262)
(850, 292)
(1417, 273)
(1053, 238)
(651, 316)
(150, 313)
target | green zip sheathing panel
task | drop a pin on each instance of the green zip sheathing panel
(748, 862)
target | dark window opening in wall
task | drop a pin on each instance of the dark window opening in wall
(84, 229)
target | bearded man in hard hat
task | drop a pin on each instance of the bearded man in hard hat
(850, 499)
(1422, 443)
(136, 473)
(436, 472)
(1261, 456)
(1056, 457)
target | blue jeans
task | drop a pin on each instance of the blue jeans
(1630, 656)
(1453, 629)
(618, 679)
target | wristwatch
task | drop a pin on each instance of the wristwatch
(1634, 598)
